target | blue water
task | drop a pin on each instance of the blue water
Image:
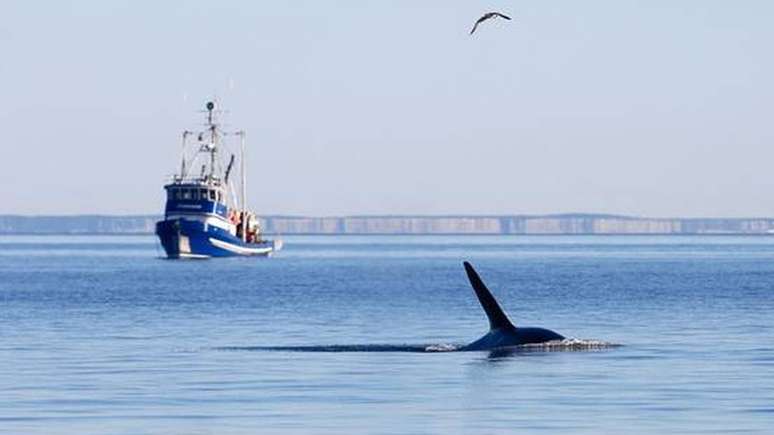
(99, 335)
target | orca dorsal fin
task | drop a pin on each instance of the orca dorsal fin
(496, 315)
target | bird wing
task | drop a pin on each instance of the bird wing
(487, 16)
(483, 18)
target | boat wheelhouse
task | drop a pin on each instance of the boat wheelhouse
(204, 217)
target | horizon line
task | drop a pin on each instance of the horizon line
(408, 215)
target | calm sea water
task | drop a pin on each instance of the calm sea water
(100, 335)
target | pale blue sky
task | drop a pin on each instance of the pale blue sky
(657, 107)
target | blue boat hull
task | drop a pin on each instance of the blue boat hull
(185, 238)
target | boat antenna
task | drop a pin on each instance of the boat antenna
(229, 167)
(241, 134)
(182, 154)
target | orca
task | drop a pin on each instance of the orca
(502, 333)
(503, 339)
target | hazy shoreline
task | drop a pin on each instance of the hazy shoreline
(553, 224)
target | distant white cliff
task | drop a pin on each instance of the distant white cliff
(522, 224)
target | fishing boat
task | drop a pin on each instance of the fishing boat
(205, 216)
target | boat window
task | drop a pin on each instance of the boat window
(203, 194)
(220, 197)
(213, 195)
(186, 193)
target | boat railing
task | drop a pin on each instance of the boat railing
(201, 181)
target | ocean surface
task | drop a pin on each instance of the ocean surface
(100, 335)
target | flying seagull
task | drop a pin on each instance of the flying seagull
(487, 16)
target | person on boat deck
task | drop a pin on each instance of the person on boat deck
(252, 235)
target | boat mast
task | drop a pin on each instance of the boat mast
(213, 137)
(182, 155)
(241, 134)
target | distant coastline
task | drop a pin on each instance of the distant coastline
(422, 224)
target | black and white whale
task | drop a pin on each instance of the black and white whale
(502, 333)
(503, 338)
